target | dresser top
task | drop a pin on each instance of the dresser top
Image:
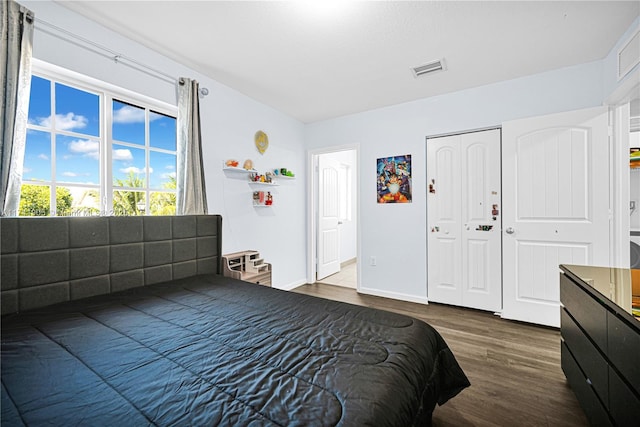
(620, 286)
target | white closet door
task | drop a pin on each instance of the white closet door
(444, 253)
(481, 229)
(463, 209)
(556, 207)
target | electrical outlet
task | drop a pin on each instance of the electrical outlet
(372, 261)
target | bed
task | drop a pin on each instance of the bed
(122, 346)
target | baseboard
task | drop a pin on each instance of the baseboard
(291, 285)
(393, 295)
(348, 262)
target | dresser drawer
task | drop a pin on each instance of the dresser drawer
(587, 312)
(624, 350)
(591, 405)
(262, 279)
(624, 405)
(591, 362)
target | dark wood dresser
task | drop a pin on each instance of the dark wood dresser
(601, 343)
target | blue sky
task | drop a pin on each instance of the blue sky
(77, 156)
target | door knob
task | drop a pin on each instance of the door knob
(510, 230)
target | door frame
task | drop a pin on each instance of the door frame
(312, 205)
(618, 103)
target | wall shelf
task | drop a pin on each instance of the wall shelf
(259, 196)
(240, 170)
(268, 184)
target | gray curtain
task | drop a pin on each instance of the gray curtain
(16, 41)
(191, 197)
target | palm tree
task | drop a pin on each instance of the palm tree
(126, 202)
(164, 202)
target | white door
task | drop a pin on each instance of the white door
(328, 212)
(463, 207)
(556, 207)
(444, 250)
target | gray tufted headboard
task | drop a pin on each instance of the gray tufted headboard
(49, 260)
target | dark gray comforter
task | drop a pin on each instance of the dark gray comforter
(210, 350)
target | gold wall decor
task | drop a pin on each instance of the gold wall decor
(262, 141)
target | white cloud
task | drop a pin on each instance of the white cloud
(69, 121)
(168, 175)
(43, 156)
(135, 170)
(128, 114)
(170, 167)
(85, 147)
(122, 154)
(26, 170)
(74, 174)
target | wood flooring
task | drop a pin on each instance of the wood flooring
(514, 368)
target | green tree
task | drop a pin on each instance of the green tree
(35, 200)
(162, 202)
(126, 202)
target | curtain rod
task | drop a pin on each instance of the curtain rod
(99, 49)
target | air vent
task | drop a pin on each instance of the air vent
(629, 55)
(428, 68)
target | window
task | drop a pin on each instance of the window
(93, 151)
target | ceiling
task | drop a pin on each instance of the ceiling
(324, 59)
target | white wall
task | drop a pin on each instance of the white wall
(229, 122)
(396, 234)
(610, 64)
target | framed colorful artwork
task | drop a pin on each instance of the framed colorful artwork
(394, 179)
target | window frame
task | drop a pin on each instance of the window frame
(107, 93)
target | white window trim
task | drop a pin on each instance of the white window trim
(106, 92)
(91, 84)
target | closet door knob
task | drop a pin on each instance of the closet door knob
(510, 230)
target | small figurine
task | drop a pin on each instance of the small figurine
(269, 200)
(232, 163)
(248, 164)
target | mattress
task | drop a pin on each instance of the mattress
(210, 350)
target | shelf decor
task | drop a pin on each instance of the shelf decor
(284, 172)
(266, 178)
(262, 198)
